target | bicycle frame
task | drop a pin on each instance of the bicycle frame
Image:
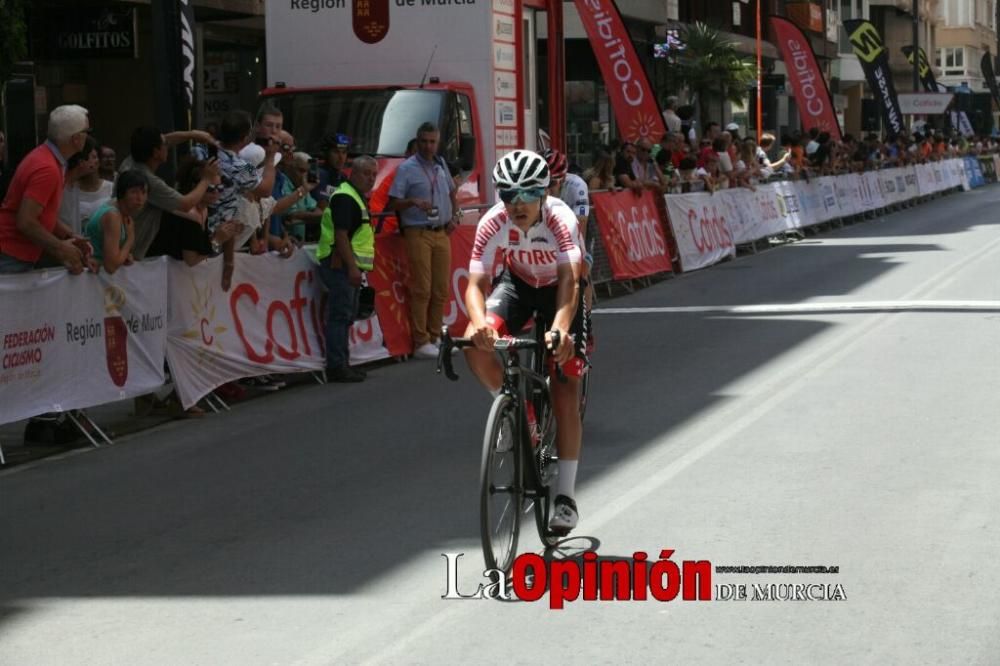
(519, 381)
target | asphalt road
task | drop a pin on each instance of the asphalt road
(849, 418)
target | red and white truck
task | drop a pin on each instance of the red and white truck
(376, 69)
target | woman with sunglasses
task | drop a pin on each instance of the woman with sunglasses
(533, 242)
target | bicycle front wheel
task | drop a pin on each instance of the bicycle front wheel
(501, 485)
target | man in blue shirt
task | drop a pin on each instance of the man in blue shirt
(424, 195)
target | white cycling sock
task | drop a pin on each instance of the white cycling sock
(566, 481)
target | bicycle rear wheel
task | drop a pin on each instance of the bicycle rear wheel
(501, 491)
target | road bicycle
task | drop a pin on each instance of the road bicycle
(519, 462)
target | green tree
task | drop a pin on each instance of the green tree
(712, 69)
(13, 35)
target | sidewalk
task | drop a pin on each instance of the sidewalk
(116, 419)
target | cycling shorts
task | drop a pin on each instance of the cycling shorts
(513, 302)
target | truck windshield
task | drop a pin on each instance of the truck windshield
(379, 122)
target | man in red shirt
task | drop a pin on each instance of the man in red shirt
(29, 227)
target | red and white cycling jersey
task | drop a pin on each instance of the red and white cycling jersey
(533, 256)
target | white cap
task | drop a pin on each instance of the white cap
(732, 127)
(254, 154)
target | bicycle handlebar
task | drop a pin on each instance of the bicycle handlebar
(504, 344)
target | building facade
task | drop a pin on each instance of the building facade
(101, 55)
(967, 29)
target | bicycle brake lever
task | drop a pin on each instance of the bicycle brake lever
(553, 345)
(444, 356)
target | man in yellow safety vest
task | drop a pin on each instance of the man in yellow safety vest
(346, 249)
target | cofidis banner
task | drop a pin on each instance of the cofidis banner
(632, 98)
(811, 94)
(871, 51)
(632, 232)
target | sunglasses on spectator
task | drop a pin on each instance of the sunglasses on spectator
(215, 188)
(530, 195)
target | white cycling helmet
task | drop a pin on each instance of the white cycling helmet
(521, 170)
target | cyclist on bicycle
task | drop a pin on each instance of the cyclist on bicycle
(573, 192)
(568, 187)
(530, 243)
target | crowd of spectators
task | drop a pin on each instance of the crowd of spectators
(243, 185)
(683, 161)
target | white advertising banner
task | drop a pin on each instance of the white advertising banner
(949, 175)
(958, 175)
(768, 207)
(831, 209)
(741, 218)
(810, 203)
(871, 193)
(924, 103)
(925, 179)
(701, 229)
(789, 204)
(75, 341)
(939, 177)
(887, 185)
(912, 188)
(846, 189)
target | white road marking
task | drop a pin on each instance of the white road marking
(806, 308)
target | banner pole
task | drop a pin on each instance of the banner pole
(916, 47)
(760, 86)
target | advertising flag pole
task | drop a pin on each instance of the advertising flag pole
(760, 74)
(916, 46)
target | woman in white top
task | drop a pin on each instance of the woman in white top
(94, 190)
(84, 190)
